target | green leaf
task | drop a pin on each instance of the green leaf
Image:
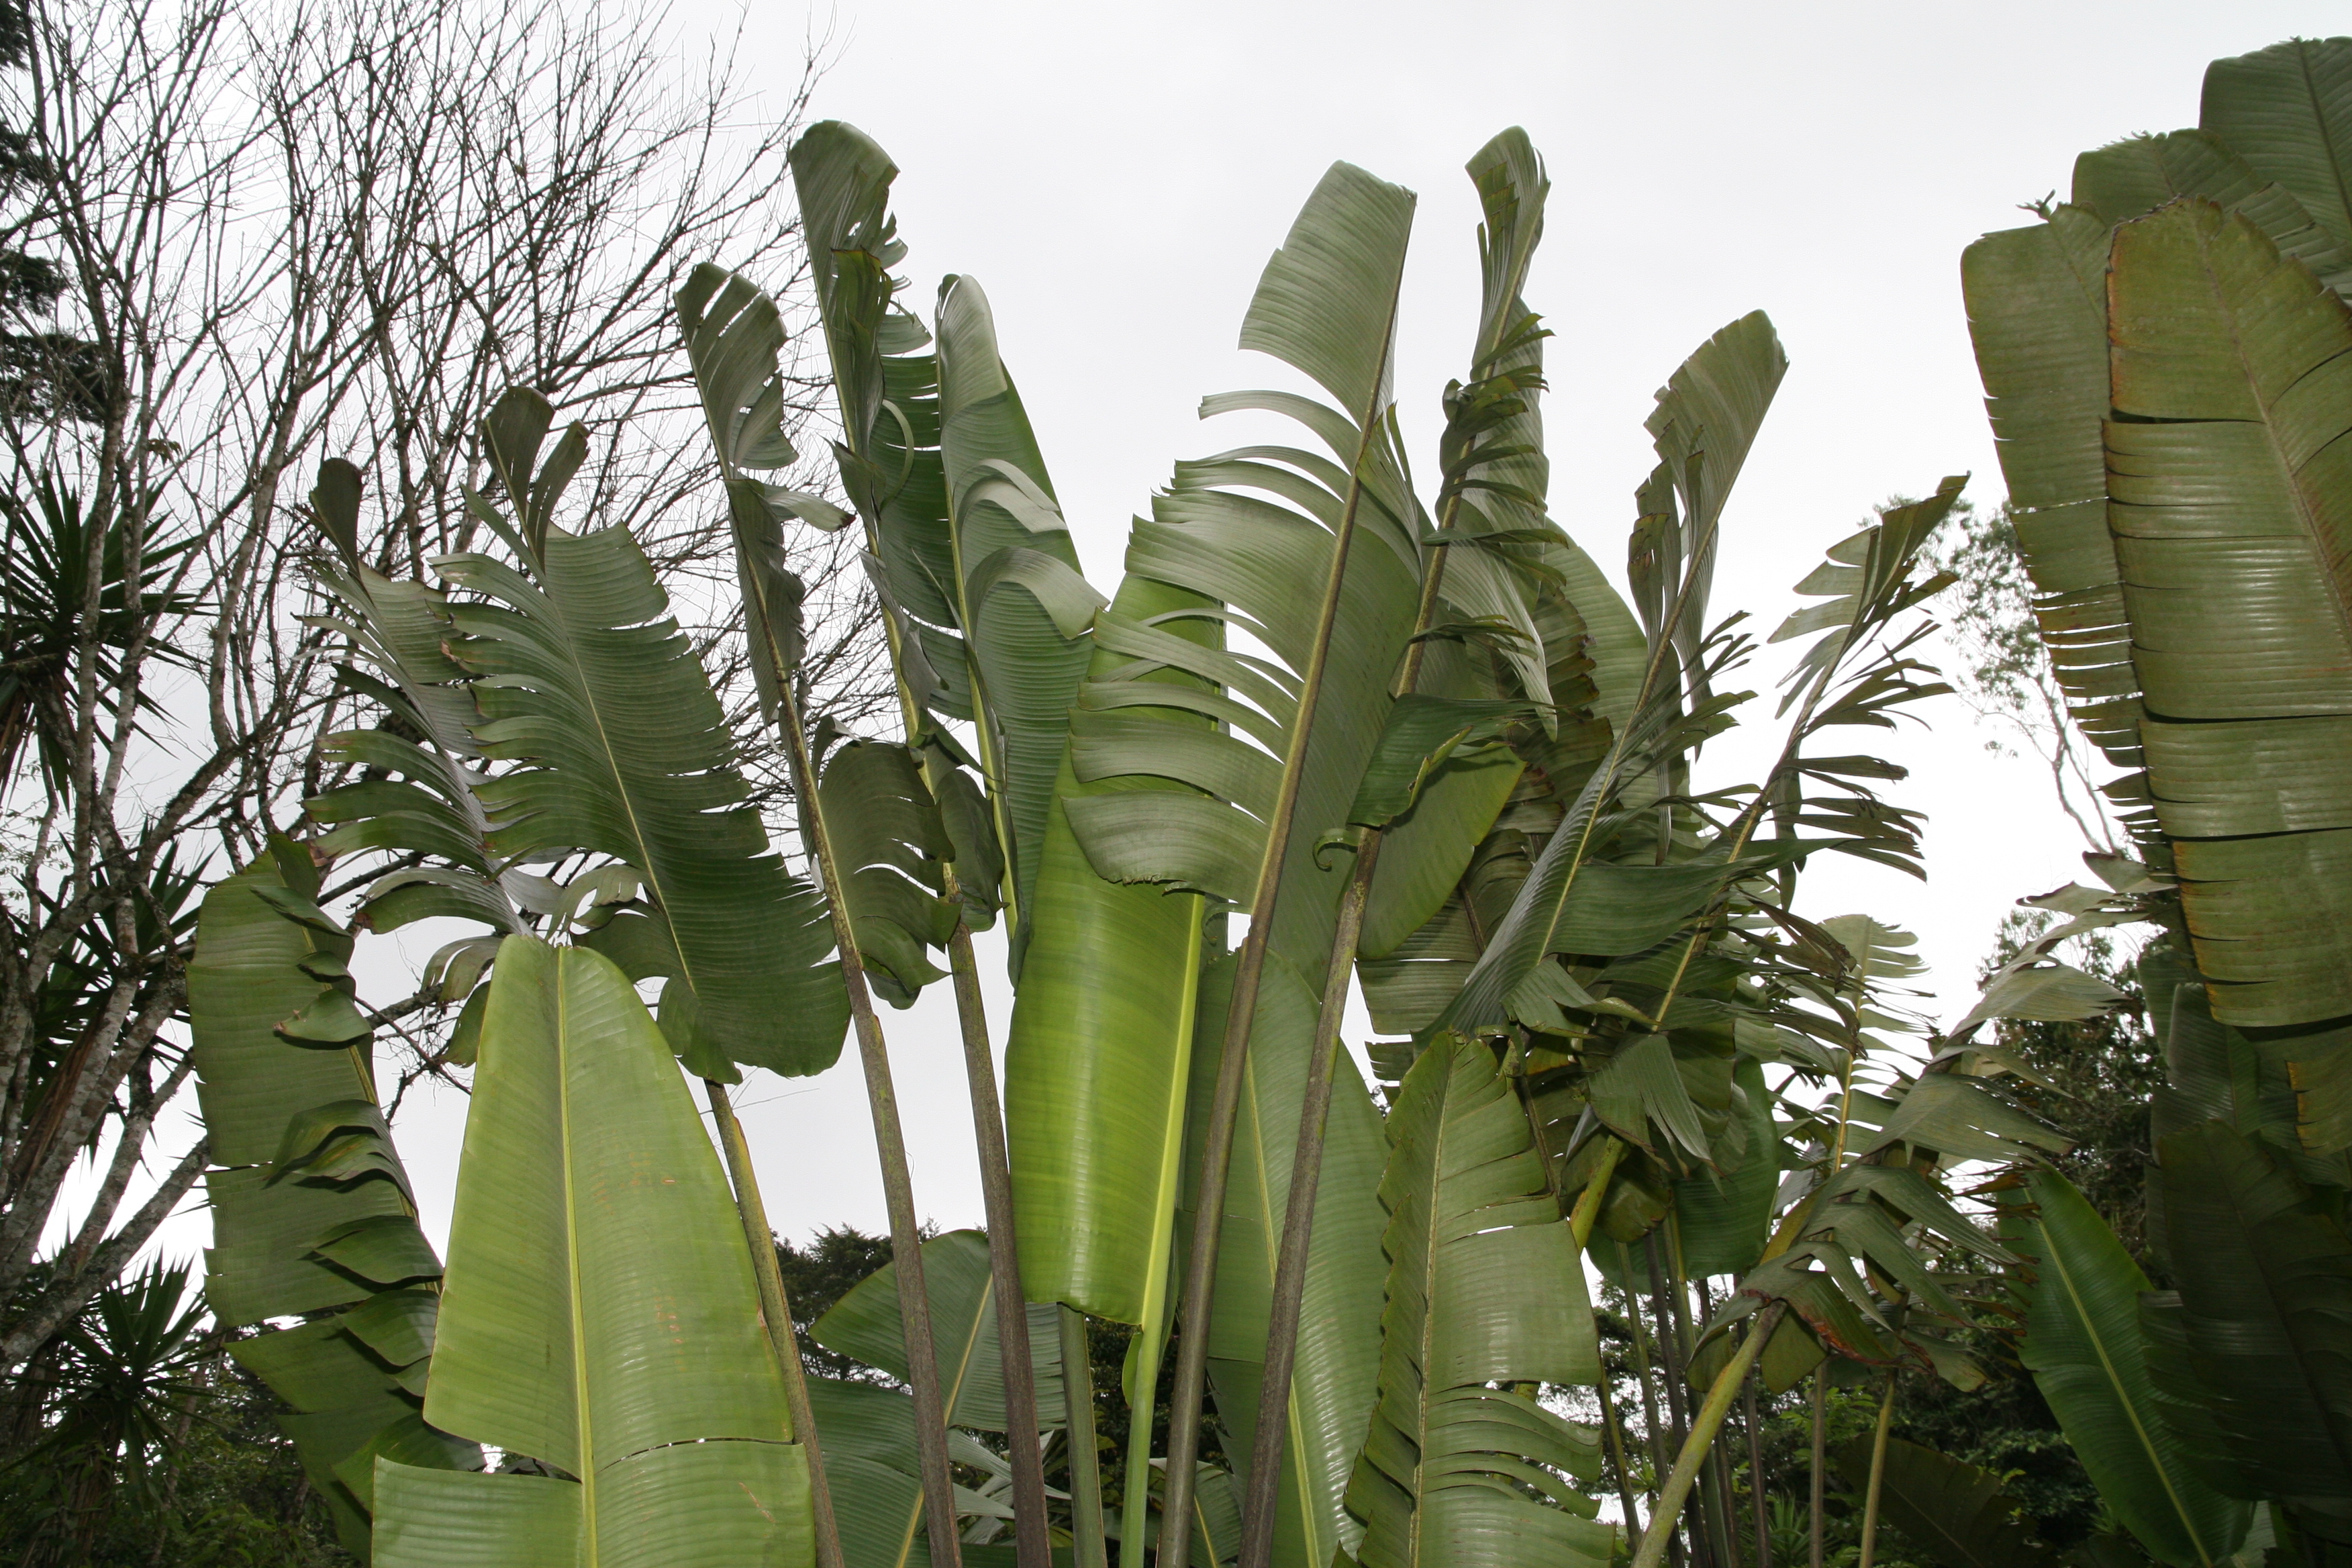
(1485, 1287)
(1421, 733)
(599, 1311)
(1021, 605)
(1099, 1051)
(2127, 178)
(1956, 1514)
(585, 682)
(1706, 418)
(2038, 315)
(2264, 1318)
(1332, 1384)
(889, 843)
(2083, 1345)
(1326, 301)
(2287, 110)
(307, 1217)
(2230, 369)
(1424, 854)
(865, 1325)
(1725, 1219)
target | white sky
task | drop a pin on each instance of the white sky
(1115, 175)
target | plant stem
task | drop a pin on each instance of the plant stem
(1151, 1334)
(1877, 1475)
(1756, 1477)
(1033, 1543)
(1587, 1212)
(1670, 1352)
(891, 1144)
(1087, 1544)
(1720, 1396)
(1298, 1225)
(1654, 1432)
(1615, 1432)
(1820, 1457)
(1723, 1531)
(778, 1311)
(1241, 1015)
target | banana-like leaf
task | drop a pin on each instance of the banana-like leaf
(1957, 1513)
(2287, 110)
(870, 1469)
(2083, 1345)
(889, 843)
(2122, 180)
(2260, 1334)
(302, 1155)
(1706, 419)
(874, 1428)
(426, 804)
(887, 388)
(584, 681)
(1020, 602)
(600, 1313)
(1332, 1384)
(865, 1325)
(2232, 390)
(1099, 1050)
(2038, 315)
(1725, 1219)
(1485, 1287)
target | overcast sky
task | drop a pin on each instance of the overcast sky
(1115, 175)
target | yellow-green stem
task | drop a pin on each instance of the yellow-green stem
(1877, 1475)
(1087, 1544)
(1710, 1420)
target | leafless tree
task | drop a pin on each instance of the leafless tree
(290, 231)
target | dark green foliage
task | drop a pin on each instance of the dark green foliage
(48, 376)
(2103, 1071)
(821, 1273)
(135, 1440)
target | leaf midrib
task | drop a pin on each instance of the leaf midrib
(1427, 1337)
(2059, 1265)
(581, 1421)
(644, 857)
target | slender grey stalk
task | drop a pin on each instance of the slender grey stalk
(777, 1309)
(1670, 1355)
(891, 1144)
(1241, 1015)
(1615, 1432)
(1654, 1432)
(1032, 1542)
(1720, 1396)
